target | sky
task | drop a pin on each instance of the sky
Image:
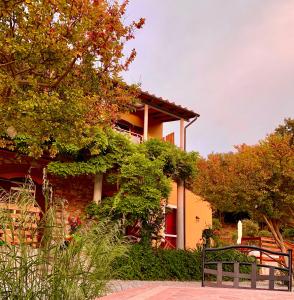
(231, 61)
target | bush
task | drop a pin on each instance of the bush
(289, 233)
(216, 224)
(265, 233)
(234, 237)
(231, 255)
(147, 263)
(250, 228)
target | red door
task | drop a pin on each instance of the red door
(171, 228)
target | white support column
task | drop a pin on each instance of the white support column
(97, 195)
(146, 108)
(180, 198)
(180, 215)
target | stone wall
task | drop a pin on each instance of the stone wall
(77, 191)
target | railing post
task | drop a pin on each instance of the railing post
(253, 275)
(219, 275)
(203, 266)
(236, 274)
(272, 278)
(290, 269)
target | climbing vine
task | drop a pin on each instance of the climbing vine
(142, 174)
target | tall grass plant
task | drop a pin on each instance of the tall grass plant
(53, 268)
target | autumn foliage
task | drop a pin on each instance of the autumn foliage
(258, 179)
(60, 64)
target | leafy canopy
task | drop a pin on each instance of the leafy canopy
(105, 151)
(59, 70)
(142, 174)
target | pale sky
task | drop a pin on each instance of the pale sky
(231, 61)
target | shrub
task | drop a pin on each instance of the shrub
(289, 233)
(216, 224)
(230, 255)
(147, 263)
(250, 228)
(211, 235)
(264, 233)
(234, 237)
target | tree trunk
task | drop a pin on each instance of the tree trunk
(274, 227)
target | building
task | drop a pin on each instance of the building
(188, 213)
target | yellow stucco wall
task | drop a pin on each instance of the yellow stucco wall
(196, 207)
(173, 195)
(155, 130)
(133, 119)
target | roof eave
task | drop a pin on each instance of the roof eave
(178, 112)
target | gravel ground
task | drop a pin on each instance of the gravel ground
(120, 285)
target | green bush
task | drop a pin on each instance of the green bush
(216, 224)
(234, 237)
(250, 228)
(146, 263)
(231, 255)
(289, 233)
(265, 233)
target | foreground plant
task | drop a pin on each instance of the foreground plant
(55, 269)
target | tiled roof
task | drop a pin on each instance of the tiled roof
(174, 110)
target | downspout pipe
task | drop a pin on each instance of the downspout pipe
(185, 131)
(185, 146)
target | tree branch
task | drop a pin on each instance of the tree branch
(8, 63)
(274, 228)
(27, 82)
(65, 73)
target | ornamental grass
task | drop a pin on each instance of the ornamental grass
(37, 262)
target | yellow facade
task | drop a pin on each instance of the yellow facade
(173, 195)
(133, 119)
(198, 216)
(155, 130)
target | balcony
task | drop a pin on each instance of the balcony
(135, 137)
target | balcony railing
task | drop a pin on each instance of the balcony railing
(135, 137)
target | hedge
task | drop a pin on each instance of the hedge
(146, 263)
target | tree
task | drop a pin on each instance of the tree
(143, 191)
(258, 179)
(59, 70)
(142, 174)
(215, 180)
(287, 129)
